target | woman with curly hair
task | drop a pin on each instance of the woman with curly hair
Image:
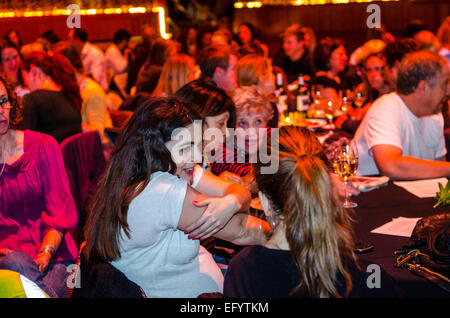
(37, 210)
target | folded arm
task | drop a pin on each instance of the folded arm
(224, 199)
(241, 229)
(392, 163)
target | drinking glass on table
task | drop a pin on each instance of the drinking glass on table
(316, 94)
(345, 163)
(358, 99)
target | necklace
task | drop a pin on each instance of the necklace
(4, 164)
(3, 156)
(3, 168)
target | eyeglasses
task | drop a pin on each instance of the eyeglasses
(375, 68)
(4, 103)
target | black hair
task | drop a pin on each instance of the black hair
(18, 36)
(322, 52)
(121, 35)
(51, 36)
(395, 51)
(205, 98)
(8, 44)
(140, 151)
(213, 57)
(74, 57)
(81, 34)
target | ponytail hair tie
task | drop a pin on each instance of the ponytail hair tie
(308, 155)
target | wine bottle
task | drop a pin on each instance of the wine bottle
(280, 94)
(302, 97)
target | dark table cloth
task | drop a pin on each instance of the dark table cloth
(380, 206)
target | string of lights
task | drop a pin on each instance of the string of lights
(90, 12)
(258, 4)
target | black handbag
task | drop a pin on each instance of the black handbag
(428, 251)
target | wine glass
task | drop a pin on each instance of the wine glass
(345, 163)
(316, 94)
(329, 111)
(347, 100)
(358, 99)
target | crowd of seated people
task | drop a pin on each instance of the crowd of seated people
(165, 191)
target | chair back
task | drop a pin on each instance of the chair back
(84, 161)
(102, 280)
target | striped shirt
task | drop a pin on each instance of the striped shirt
(228, 158)
(229, 161)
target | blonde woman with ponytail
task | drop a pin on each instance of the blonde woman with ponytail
(310, 251)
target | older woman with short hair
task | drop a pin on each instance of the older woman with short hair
(233, 160)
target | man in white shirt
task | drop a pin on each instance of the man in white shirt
(402, 134)
(117, 53)
(94, 62)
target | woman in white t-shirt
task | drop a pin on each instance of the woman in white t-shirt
(145, 204)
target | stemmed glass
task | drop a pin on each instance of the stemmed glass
(329, 111)
(316, 95)
(345, 163)
(358, 99)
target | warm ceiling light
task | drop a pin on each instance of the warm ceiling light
(162, 22)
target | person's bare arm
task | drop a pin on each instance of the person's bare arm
(392, 163)
(214, 186)
(241, 229)
(224, 199)
(49, 246)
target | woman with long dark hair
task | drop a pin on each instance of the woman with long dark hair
(249, 39)
(310, 251)
(53, 107)
(217, 112)
(145, 203)
(14, 38)
(11, 60)
(330, 61)
(375, 83)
